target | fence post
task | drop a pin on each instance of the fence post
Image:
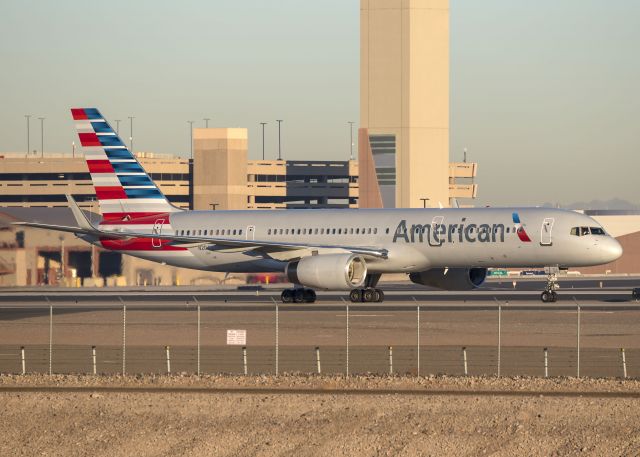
(624, 363)
(464, 359)
(198, 337)
(50, 335)
(198, 350)
(318, 359)
(499, 337)
(347, 305)
(418, 348)
(277, 340)
(546, 364)
(93, 358)
(24, 367)
(244, 359)
(124, 336)
(390, 359)
(578, 339)
(168, 353)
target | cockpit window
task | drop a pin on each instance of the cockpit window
(583, 231)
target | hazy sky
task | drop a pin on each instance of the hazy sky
(543, 94)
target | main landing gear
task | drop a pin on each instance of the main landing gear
(549, 294)
(298, 295)
(370, 294)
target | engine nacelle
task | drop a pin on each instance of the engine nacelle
(328, 271)
(451, 278)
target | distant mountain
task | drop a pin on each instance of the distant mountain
(614, 203)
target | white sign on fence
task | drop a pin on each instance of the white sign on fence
(237, 337)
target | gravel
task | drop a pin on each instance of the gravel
(230, 424)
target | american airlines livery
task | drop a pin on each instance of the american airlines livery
(345, 249)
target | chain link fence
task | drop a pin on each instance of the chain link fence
(492, 339)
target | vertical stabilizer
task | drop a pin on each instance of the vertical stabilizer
(123, 189)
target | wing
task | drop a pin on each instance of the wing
(271, 248)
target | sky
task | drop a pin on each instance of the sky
(544, 95)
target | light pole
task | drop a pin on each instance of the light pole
(263, 124)
(117, 126)
(424, 202)
(351, 142)
(206, 122)
(131, 118)
(41, 136)
(191, 131)
(28, 117)
(279, 121)
(465, 155)
(73, 149)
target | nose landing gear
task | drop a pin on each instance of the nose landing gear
(549, 294)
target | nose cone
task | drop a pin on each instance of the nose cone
(610, 250)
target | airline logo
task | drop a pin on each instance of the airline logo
(522, 234)
(123, 189)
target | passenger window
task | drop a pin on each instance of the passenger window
(280, 231)
(286, 232)
(375, 230)
(339, 231)
(508, 229)
(299, 230)
(387, 230)
(358, 231)
(334, 231)
(205, 232)
(188, 232)
(240, 232)
(369, 231)
(316, 231)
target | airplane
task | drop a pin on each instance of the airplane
(342, 249)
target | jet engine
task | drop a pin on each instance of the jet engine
(328, 271)
(451, 278)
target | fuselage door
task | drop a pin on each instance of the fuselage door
(251, 232)
(545, 232)
(436, 238)
(157, 230)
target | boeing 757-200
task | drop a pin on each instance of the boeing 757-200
(344, 249)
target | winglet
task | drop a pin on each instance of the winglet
(80, 217)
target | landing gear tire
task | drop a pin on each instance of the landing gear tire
(309, 295)
(549, 296)
(298, 295)
(355, 296)
(367, 295)
(286, 296)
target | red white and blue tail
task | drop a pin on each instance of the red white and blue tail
(123, 189)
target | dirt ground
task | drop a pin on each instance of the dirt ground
(238, 424)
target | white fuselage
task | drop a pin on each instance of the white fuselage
(415, 239)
